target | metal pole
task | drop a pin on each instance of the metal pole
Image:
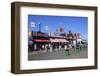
(39, 27)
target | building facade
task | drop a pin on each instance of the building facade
(40, 41)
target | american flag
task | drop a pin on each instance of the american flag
(33, 24)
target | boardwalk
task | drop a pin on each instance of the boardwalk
(58, 55)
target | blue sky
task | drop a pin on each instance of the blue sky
(73, 23)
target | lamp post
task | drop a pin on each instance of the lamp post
(39, 27)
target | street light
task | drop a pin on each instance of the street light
(39, 26)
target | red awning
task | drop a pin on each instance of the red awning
(40, 40)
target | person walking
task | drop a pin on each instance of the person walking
(67, 53)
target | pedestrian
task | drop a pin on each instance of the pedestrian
(67, 50)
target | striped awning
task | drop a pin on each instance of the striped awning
(40, 40)
(63, 40)
(58, 40)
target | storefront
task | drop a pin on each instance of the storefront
(58, 43)
(40, 43)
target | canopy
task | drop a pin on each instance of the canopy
(63, 40)
(58, 40)
(40, 40)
